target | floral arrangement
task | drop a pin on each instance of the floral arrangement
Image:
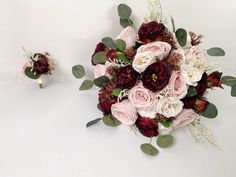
(155, 80)
(38, 65)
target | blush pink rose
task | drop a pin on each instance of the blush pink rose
(141, 97)
(186, 117)
(159, 49)
(129, 35)
(196, 57)
(177, 85)
(100, 70)
(125, 112)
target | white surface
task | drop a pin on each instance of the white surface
(42, 132)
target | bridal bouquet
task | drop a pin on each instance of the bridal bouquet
(155, 80)
(38, 65)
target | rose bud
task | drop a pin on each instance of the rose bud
(126, 77)
(151, 31)
(200, 105)
(147, 127)
(156, 76)
(99, 48)
(202, 86)
(41, 65)
(213, 80)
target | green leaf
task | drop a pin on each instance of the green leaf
(228, 80)
(116, 92)
(165, 141)
(101, 81)
(108, 42)
(124, 11)
(166, 123)
(210, 111)
(122, 57)
(233, 91)
(149, 149)
(120, 44)
(78, 71)
(90, 123)
(216, 51)
(173, 23)
(30, 73)
(126, 22)
(181, 35)
(87, 84)
(99, 58)
(110, 121)
(192, 91)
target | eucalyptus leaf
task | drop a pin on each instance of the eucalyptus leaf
(101, 81)
(122, 57)
(166, 123)
(108, 42)
(87, 84)
(165, 141)
(30, 73)
(120, 44)
(116, 92)
(210, 111)
(228, 80)
(110, 121)
(90, 123)
(192, 91)
(181, 35)
(78, 71)
(216, 51)
(99, 58)
(124, 11)
(233, 91)
(149, 149)
(126, 22)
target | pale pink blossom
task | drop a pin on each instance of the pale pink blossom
(129, 35)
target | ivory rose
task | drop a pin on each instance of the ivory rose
(150, 111)
(142, 61)
(125, 112)
(177, 85)
(186, 117)
(141, 97)
(100, 70)
(191, 74)
(129, 35)
(159, 49)
(169, 106)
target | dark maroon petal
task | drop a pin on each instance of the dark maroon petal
(147, 127)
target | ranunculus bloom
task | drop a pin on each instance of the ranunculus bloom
(100, 70)
(177, 85)
(128, 35)
(41, 65)
(141, 97)
(186, 117)
(213, 80)
(159, 49)
(99, 48)
(191, 74)
(126, 77)
(147, 127)
(142, 61)
(169, 106)
(151, 31)
(125, 112)
(156, 76)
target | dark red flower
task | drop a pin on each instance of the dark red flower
(126, 77)
(213, 80)
(156, 76)
(152, 31)
(202, 86)
(200, 105)
(99, 48)
(41, 66)
(147, 127)
(189, 102)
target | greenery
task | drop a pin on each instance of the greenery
(90, 123)
(181, 35)
(149, 149)
(165, 141)
(210, 111)
(108, 42)
(78, 71)
(110, 121)
(87, 84)
(29, 72)
(101, 81)
(216, 51)
(99, 58)
(124, 12)
(120, 44)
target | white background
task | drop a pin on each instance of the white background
(42, 132)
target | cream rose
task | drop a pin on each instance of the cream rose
(159, 49)
(177, 85)
(125, 112)
(164, 130)
(128, 35)
(100, 70)
(150, 111)
(191, 74)
(186, 117)
(169, 106)
(142, 61)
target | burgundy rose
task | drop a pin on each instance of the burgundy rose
(147, 127)
(156, 76)
(41, 66)
(126, 77)
(202, 86)
(189, 102)
(213, 80)
(151, 31)
(99, 48)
